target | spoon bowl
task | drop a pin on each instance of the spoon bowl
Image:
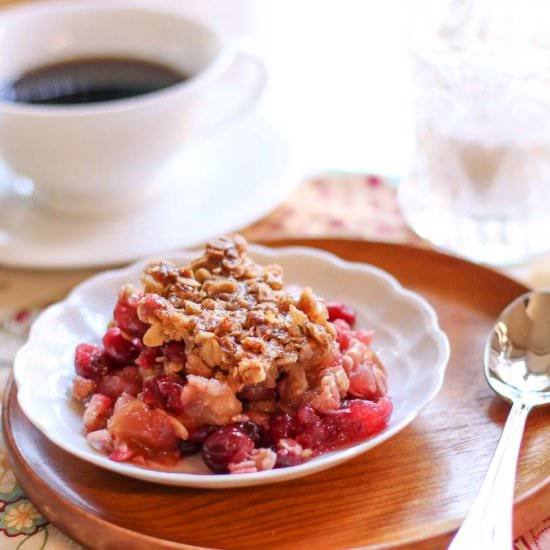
(517, 367)
(517, 356)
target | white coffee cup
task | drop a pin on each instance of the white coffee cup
(107, 157)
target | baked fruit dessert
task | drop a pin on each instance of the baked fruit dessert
(219, 358)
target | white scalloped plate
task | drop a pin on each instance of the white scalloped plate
(408, 340)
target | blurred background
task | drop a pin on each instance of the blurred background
(338, 75)
(339, 82)
(446, 101)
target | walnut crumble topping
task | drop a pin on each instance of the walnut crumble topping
(240, 326)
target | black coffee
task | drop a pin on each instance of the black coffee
(89, 81)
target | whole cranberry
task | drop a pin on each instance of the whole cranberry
(225, 446)
(147, 359)
(119, 349)
(305, 417)
(119, 381)
(89, 362)
(250, 429)
(126, 316)
(280, 427)
(339, 310)
(174, 351)
(309, 428)
(164, 391)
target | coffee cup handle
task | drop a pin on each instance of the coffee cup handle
(239, 94)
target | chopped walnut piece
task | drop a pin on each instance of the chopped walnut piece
(333, 386)
(154, 336)
(202, 274)
(191, 308)
(218, 286)
(253, 344)
(264, 458)
(186, 281)
(312, 306)
(298, 317)
(252, 371)
(210, 352)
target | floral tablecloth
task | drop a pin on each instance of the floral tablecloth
(332, 206)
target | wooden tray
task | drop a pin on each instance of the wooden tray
(412, 490)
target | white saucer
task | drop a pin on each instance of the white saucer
(220, 184)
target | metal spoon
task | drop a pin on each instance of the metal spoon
(517, 367)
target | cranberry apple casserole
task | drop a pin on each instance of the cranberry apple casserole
(219, 358)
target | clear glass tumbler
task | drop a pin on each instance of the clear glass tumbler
(481, 181)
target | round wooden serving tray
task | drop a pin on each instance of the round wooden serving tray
(412, 490)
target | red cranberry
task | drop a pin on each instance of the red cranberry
(89, 362)
(339, 310)
(305, 417)
(225, 446)
(147, 359)
(150, 394)
(170, 390)
(125, 380)
(250, 429)
(126, 316)
(164, 391)
(310, 430)
(175, 352)
(280, 427)
(119, 349)
(357, 420)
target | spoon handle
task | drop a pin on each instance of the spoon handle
(488, 525)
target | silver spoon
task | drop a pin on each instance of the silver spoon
(517, 367)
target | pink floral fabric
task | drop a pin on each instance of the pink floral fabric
(346, 206)
(339, 206)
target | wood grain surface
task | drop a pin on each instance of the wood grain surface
(412, 490)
